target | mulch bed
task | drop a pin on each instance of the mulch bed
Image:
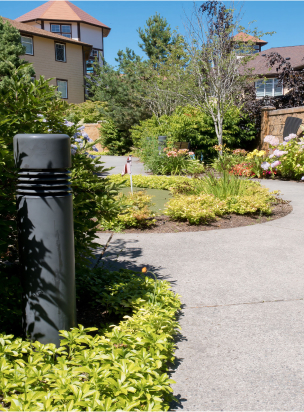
(165, 225)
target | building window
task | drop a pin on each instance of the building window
(27, 42)
(90, 63)
(62, 87)
(63, 29)
(60, 52)
(268, 87)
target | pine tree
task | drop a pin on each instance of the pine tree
(157, 38)
(10, 50)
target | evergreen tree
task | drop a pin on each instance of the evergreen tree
(157, 38)
(120, 89)
(10, 50)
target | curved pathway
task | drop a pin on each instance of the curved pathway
(241, 346)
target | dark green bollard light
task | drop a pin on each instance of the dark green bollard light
(46, 235)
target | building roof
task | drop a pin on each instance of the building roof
(26, 28)
(62, 10)
(246, 37)
(259, 63)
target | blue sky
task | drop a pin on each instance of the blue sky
(124, 17)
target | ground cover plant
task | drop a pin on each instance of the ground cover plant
(201, 200)
(115, 368)
(134, 212)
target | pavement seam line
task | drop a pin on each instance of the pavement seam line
(244, 303)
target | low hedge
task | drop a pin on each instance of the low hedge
(122, 367)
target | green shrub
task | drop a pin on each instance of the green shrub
(116, 141)
(35, 108)
(134, 212)
(212, 201)
(168, 161)
(87, 112)
(189, 124)
(195, 209)
(122, 368)
(201, 200)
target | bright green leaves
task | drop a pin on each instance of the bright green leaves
(123, 369)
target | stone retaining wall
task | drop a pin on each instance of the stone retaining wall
(273, 122)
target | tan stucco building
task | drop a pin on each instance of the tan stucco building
(62, 41)
(56, 57)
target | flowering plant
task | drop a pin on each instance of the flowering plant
(242, 169)
(169, 161)
(288, 157)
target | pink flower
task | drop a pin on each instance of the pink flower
(272, 140)
(290, 137)
(275, 164)
(279, 153)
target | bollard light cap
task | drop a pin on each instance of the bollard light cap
(42, 151)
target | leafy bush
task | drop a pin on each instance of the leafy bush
(201, 200)
(189, 124)
(134, 212)
(34, 108)
(11, 299)
(119, 369)
(169, 161)
(203, 208)
(116, 141)
(87, 112)
(195, 209)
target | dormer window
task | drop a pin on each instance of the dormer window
(62, 29)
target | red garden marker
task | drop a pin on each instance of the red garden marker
(128, 169)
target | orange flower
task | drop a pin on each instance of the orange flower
(144, 270)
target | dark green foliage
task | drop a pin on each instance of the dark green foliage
(87, 112)
(188, 124)
(118, 142)
(10, 299)
(20, 112)
(19, 109)
(93, 199)
(120, 90)
(157, 38)
(10, 50)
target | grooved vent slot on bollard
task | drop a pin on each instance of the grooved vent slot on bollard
(46, 236)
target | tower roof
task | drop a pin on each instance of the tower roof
(246, 37)
(61, 10)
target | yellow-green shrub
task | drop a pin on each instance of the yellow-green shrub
(119, 369)
(195, 209)
(202, 206)
(135, 212)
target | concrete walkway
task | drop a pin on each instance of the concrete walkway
(241, 346)
(118, 163)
